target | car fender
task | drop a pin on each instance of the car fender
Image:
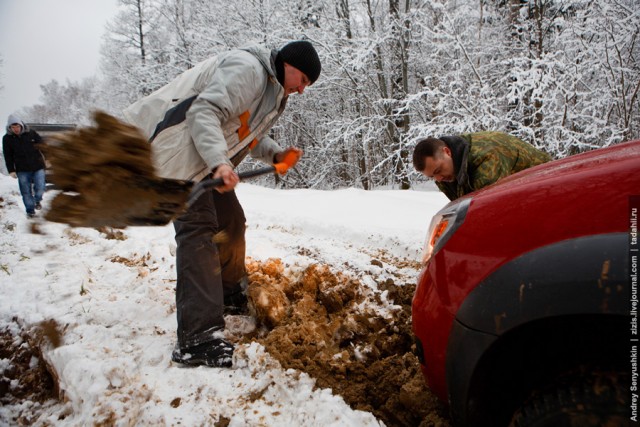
(579, 276)
(575, 276)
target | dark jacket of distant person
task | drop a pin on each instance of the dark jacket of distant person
(22, 150)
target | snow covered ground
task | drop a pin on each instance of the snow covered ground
(113, 299)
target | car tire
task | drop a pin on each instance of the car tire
(588, 400)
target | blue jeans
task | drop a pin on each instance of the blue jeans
(32, 186)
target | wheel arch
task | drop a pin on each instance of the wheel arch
(527, 358)
(513, 330)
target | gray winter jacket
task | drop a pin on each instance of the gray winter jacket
(195, 122)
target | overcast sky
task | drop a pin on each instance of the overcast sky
(42, 40)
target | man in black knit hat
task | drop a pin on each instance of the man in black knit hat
(204, 123)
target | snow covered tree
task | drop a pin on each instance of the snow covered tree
(134, 51)
(71, 103)
(563, 75)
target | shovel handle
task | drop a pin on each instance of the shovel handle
(211, 183)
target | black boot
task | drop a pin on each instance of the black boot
(235, 298)
(217, 353)
(236, 304)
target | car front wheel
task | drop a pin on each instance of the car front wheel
(589, 399)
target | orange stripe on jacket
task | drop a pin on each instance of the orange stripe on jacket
(244, 130)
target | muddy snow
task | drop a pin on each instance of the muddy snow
(87, 318)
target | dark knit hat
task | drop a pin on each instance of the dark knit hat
(302, 55)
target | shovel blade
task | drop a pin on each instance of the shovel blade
(141, 201)
(107, 178)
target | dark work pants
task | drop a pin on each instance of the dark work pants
(210, 262)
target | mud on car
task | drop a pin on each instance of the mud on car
(522, 310)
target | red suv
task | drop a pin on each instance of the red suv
(524, 314)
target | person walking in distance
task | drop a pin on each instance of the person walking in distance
(24, 160)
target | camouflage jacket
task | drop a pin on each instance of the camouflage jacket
(482, 158)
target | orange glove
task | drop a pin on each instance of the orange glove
(287, 159)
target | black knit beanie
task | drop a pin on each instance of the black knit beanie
(302, 55)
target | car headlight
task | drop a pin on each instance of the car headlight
(443, 225)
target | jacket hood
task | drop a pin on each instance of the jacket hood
(460, 154)
(266, 57)
(15, 119)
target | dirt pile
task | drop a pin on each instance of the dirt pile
(352, 339)
(327, 325)
(24, 376)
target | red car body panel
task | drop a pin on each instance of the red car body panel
(588, 194)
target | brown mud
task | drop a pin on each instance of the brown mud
(26, 377)
(326, 325)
